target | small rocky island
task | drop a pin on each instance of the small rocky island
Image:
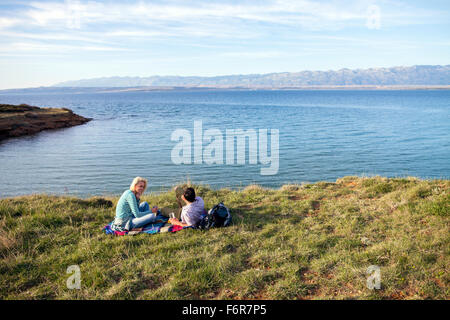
(20, 120)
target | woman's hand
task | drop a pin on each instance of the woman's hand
(138, 195)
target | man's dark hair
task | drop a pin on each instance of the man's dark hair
(189, 194)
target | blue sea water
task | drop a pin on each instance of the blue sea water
(323, 135)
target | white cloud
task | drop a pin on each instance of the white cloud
(8, 22)
(54, 36)
(257, 54)
(54, 48)
(298, 13)
(111, 26)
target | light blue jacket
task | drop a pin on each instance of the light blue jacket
(127, 209)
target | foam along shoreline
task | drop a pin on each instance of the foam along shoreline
(21, 120)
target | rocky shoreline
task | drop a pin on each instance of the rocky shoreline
(21, 120)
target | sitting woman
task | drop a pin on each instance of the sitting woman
(129, 213)
(192, 212)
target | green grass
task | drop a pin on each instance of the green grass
(10, 111)
(312, 241)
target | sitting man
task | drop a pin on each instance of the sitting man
(192, 212)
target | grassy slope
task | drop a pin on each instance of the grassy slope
(298, 242)
(9, 110)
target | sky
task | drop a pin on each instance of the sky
(46, 42)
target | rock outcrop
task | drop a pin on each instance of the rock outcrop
(20, 120)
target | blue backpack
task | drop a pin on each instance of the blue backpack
(218, 216)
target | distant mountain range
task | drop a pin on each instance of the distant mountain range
(396, 76)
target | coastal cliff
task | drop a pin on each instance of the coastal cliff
(20, 120)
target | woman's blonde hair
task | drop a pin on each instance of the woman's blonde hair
(136, 181)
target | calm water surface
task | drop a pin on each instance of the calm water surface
(324, 135)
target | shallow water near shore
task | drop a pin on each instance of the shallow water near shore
(323, 135)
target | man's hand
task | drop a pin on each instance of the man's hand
(174, 221)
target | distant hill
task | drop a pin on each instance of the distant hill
(415, 75)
